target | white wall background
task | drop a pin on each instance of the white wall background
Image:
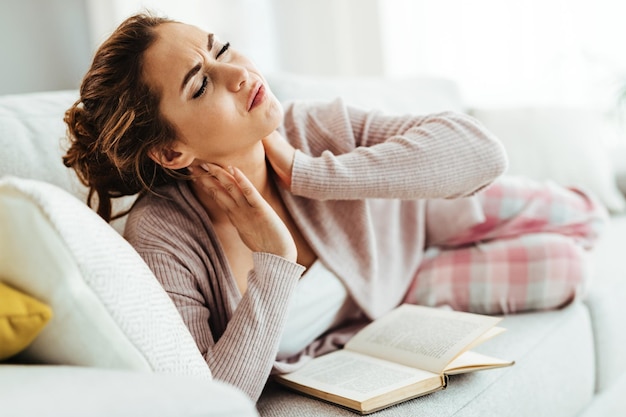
(501, 52)
(506, 52)
(327, 37)
(44, 45)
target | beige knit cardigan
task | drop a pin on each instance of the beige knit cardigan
(360, 186)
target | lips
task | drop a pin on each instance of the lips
(257, 94)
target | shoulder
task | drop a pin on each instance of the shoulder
(303, 112)
(317, 125)
(162, 221)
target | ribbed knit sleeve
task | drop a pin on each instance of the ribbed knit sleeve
(352, 154)
(245, 353)
(239, 343)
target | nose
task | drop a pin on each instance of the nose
(234, 76)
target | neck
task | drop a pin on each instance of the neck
(253, 166)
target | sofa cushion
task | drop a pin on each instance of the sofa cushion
(21, 319)
(553, 376)
(110, 310)
(70, 391)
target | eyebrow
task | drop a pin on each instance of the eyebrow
(198, 66)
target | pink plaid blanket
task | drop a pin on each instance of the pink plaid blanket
(517, 245)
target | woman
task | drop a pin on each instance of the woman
(238, 197)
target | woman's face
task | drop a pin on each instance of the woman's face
(218, 101)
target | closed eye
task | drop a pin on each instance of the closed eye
(205, 79)
(202, 88)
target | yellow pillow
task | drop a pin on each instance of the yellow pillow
(21, 319)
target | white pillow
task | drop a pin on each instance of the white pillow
(108, 308)
(32, 138)
(567, 145)
(33, 141)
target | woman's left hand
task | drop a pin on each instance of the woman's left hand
(280, 153)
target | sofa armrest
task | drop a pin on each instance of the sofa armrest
(567, 145)
(64, 391)
(617, 154)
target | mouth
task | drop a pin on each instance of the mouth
(257, 95)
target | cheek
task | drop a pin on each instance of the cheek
(220, 131)
(274, 112)
(213, 120)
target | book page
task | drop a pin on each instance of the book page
(472, 361)
(489, 334)
(421, 337)
(355, 376)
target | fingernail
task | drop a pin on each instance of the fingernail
(231, 170)
(205, 167)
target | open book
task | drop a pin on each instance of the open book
(405, 354)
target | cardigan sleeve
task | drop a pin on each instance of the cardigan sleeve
(238, 343)
(348, 153)
(244, 354)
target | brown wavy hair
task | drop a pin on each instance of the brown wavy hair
(116, 120)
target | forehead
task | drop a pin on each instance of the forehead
(176, 49)
(173, 32)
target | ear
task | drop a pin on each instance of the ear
(171, 158)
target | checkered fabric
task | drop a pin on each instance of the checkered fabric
(528, 254)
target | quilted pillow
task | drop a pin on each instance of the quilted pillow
(110, 311)
(21, 319)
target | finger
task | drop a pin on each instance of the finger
(207, 177)
(226, 182)
(212, 188)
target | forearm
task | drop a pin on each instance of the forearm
(245, 353)
(441, 156)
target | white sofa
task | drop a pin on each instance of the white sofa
(116, 345)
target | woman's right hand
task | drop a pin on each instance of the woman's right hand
(258, 225)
